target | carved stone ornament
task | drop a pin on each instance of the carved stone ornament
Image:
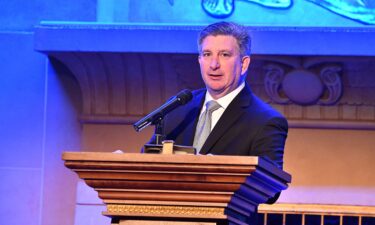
(332, 81)
(302, 86)
(120, 88)
(358, 10)
(272, 83)
(224, 8)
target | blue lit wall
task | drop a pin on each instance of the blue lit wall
(37, 117)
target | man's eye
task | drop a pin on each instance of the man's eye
(205, 54)
(225, 54)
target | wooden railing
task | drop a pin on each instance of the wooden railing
(314, 214)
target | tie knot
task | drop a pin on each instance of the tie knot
(212, 106)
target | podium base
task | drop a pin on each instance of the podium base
(170, 221)
(142, 222)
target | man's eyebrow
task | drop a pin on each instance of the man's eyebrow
(226, 50)
(222, 50)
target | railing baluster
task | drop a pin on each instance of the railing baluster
(341, 219)
(265, 219)
(303, 219)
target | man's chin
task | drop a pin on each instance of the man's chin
(217, 92)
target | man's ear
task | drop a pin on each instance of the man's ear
(245, 63)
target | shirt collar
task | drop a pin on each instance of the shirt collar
(227, 99)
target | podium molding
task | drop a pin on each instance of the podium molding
(181, 189)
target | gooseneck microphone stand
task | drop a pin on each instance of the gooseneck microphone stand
(159, 130)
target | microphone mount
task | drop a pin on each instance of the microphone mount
(157, 116)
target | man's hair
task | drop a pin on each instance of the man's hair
(239, 32)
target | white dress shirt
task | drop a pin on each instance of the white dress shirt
(224, 103)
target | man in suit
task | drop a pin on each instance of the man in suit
(241, 124)
(226, 118)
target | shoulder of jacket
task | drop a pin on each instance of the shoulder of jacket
(199, 91)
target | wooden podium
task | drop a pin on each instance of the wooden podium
(178, 189)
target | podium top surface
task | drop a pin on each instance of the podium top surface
(177, 158)
(183, 159)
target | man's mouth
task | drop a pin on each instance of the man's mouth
(214, 75)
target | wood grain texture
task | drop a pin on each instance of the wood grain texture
(151, 185)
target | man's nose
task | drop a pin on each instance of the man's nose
(214, 64)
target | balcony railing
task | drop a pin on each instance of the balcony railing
(314, 214)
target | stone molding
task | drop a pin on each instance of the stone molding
(53, 36)
(121, 88)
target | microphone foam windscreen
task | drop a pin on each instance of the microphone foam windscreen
(184, 96)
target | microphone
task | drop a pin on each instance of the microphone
(181, 98)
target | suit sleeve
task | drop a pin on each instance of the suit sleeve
(270, 140)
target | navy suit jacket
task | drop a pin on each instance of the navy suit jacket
(248, 127)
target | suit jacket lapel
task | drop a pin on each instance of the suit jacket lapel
(235, 109)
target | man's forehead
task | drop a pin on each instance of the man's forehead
(219, 43)
(219, 36)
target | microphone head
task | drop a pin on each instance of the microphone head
(184, 96)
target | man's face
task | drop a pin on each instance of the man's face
(221, 65)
